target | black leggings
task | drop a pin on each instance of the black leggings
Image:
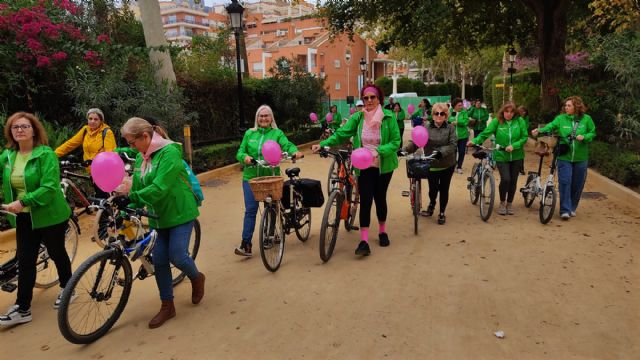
(462, 150)
(509, 172)
(439, 182)
(28, 240)
(373, 186)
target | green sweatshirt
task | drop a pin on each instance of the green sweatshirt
(335, 123)
(563, 124)
(42, 183)
(252, 146)
(508, 133)
(389, 139)
(481, 115)
(164, 189)
(399, 118)
(463, 121)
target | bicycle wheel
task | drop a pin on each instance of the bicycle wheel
(353, 207)
(194, 245)
(330, 225)
(104, 226)
(416, 197)
(529, 190)
(101, 287)
(46, 271)
(487, 194)
(474, 184)
(302, 221)
(547, 204)
(271, 237)
(333, 174)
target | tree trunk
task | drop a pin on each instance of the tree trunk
(154, 36)
(551, 18)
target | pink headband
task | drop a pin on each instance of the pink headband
(371, 89)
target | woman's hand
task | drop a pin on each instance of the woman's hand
(374, 152)
(534, 132)
(580, 137)
(14, 207)
(298, 155)
(315, 148)
(509, 148)
(247, 160)
(470, 143)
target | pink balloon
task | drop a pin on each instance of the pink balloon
(420, 136)
(272, 152)
(313, 117)
(107, 171)
(361, 158)
(352, 111)
(411, 108)
(329, 117)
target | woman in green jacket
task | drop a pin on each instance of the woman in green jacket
(264, 129)
(399, 115)
(460, 119)
(376, 130)
(31, 189)
(479, 116)
(161, 184)
(511, 135)
(576, 130)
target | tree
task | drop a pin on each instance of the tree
(154, 37)
(464, 25)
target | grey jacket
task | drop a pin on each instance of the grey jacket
(443, 139)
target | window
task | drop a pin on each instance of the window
(337, 86)
(172, 19)
(336, 63)
(257, 66)
(190, 19)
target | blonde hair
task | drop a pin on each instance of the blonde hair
(137, 126)
(39, 134)
(273, 119)
(441, 106)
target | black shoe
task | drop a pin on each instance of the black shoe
(384, 239)
(429, 211)
(441, 219)
(363, 249)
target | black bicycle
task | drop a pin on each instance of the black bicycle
(481, 184)
(417, 169)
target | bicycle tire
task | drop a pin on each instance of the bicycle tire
(547, 204)
(104, 226)
(328, 239)
(529, 191)
(93, 297)
(353, 207)
(271, 246)
(46, 273)
(302, 221)
(333, 174)
(487, 195)
(474, 184)
(416, 198)
(178, 275)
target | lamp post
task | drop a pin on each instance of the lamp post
(363, 69)
(235, 12)
(347, 59)
(512, 59)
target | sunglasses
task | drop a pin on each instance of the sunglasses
(369, 98)
(439, 113)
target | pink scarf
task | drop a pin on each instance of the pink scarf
(157, 143)
(373, 119)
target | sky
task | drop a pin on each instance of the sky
(212, 2)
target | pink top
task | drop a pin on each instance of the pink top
(370, 138)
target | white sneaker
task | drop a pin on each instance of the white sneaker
(459, 171)
(56, 304)
(573, 214)
(15, 316)
(565, 216)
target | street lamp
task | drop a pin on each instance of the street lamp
(512, 59)
(363, 68)
(235, 13)
(347, 58)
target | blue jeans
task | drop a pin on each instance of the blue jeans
(172, 247)
(571, 177)
(250, 212)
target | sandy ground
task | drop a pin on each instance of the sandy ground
(566, 290)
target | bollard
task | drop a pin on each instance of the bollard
(187, 144)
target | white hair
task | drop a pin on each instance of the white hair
(273, 119)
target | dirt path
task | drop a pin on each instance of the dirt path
(567, 290)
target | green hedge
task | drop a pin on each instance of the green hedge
(619, 165)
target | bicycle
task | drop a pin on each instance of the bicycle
(344, 199)
(482, 184)
(280, 216)
(46, 276)
(101, 285)
(417, 169)
(533, 186)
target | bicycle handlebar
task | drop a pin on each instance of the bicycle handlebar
(434, 155)
(285, 157)
(3, 211)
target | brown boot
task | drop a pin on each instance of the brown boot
(167, 311)
(197, 288)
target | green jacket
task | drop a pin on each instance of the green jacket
(481, 115)
(563, 124)
(252, 146)
(399, 118)
(42, 181)
(389, 139)
(164, 189)
(463, 121)
(335, 123)
(508, 133)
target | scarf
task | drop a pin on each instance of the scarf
(157, 143)
(373, 119)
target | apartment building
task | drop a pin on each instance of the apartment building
(183, 19)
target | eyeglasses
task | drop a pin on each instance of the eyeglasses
(21, 127)
(369, 98)
(133, 141)
(439, 113)
(264, 115)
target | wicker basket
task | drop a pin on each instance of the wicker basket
(267, 186)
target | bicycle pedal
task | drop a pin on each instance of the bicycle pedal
(406, 193)
(355, 227)
(9, 287)
(469, 178)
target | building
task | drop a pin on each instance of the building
(183, 19)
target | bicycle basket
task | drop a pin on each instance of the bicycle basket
(265, 186)
(480, 154)
(418, 169)
(309, 189)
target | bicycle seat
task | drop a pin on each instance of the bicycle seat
(480, 154)
(292, 172)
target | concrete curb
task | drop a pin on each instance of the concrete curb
(620, 190)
